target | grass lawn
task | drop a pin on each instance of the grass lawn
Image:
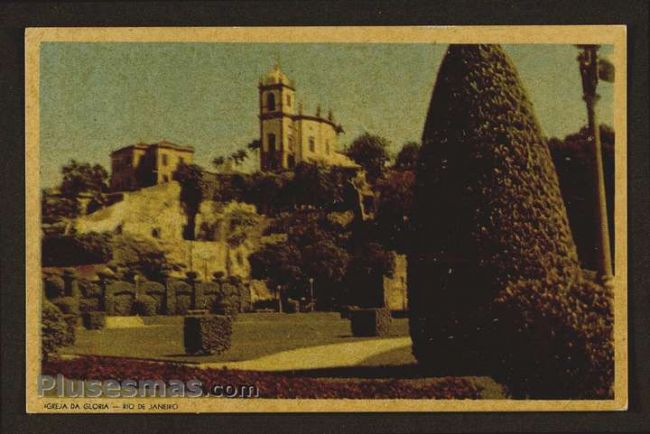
(254, 335)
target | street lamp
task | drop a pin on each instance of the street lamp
(311, 291)
(590, 69)
(279, 295)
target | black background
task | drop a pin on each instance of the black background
(14, 17)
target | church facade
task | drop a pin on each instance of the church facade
(287, 135)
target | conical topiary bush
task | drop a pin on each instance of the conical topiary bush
(494, 278)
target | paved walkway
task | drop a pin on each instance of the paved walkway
(319, 357)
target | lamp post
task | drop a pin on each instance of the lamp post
(588, 61)
(311, 292)
(279, 295)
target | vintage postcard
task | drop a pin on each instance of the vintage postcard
(306, 219)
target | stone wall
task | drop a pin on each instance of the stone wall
(156, 214)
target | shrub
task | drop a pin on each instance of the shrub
(122, 304)
(346, 311)
(207, 334)
(94, 320)
(292, 306)
(53, 286)
(493, 252)
(224, 307)
(145, 305)
(370, 322)
(88, 305)
(54, 330)
(67, 305)
(71, 328)
(559, 343)
(78, 249)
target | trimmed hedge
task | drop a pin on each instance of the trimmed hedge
(54, 330)
(53, 286)
(292, 306)
(207, 334)
(370, 322)
(94, 320)
(494, 274)
(271, 384)
(88, 305)
(67, 305)
(71, 322)
(346, 311)
(145, 305)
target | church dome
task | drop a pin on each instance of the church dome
(276, 76)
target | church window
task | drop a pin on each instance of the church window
(164, 160)
(327, 147)
(289, 100)
(271, 141)
(270, 102)
(312, 144)
(181, 160)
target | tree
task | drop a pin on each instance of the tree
(393, 217)
(316, 185)
(83, 178)
(254, 145)
(364, 279)
(371, 152)
(193, 189)
(217, 162)
(494, 275)
(56, 208)
(279, 265)
(573, 159)
(326, 263)
(407, 158)
(141, 257)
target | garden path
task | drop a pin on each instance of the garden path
(318, 357)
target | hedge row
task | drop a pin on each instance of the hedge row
(207, 334)
(270, 385)
(370, 321)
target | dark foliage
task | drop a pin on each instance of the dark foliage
(81, 249)
(370, 322)
(573, 159)
(394, 212)
(370, 152)
(53, 286)
(493, 236)
(407, 157)
(94, 320)
(193, 191)
(145, 305)
(207, 334)
(54, 330)
(67, 305)
(83, 178)
(70, 321)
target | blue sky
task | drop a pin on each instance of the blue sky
(97, 97)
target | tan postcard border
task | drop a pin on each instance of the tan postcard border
(596, 34)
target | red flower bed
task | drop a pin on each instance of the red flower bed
(270, 385)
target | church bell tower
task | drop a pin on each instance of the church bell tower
(277, 107)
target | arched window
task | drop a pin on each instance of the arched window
(312, 144)
(288, 100)
(270, 102)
